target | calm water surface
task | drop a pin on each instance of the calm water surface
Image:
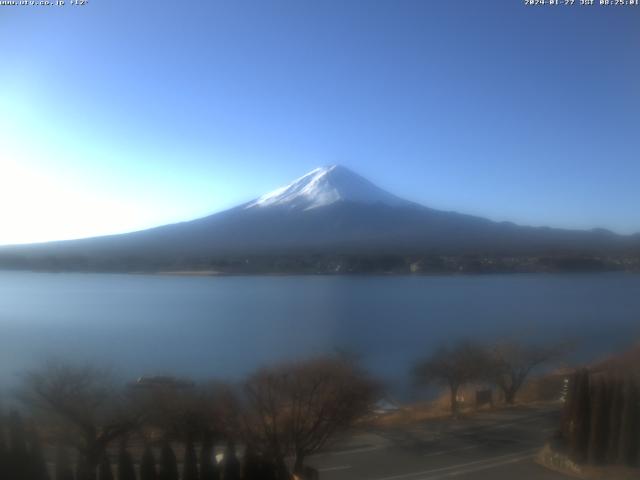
(225, 327)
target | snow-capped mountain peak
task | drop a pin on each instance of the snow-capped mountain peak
(324, 186)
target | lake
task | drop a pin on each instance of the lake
(226, 326)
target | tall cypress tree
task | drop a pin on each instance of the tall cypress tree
(208, 465)
(252, 465)
(190, 464)
(37, 463)
(126, 469)
(599, 418)
(63, 468)
(4, 454)
(168, 463)
(104, 469)
(629, 443)
(615, 418)
(84, 470)
(148, 465)
(231, 464)
(568, 412)
(18, 453)
(579, 443)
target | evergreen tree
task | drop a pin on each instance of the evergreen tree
(63, 469)
(568, 412)
(84, 469)
(126, 469)
(37, 462)
(208, 465)
(168, 463)
(18, 453)
(190, 465)
(615, 418)
(148, 465)
(252, 468)
(579, 441)
(231, 464)
(4, 454)
(104, 469)
(630, 427)
(269, 470)
(599, 417)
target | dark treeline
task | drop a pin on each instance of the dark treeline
(601, 419)
(21, 455)
(82, 425)
(325, 263)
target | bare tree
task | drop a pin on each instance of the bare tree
(510, 363)
(296, 408)
(185, 410)
(453, 367)
(82, 406)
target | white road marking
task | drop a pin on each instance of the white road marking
(492, 461)
(333, 469)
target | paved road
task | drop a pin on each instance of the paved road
(489, 445)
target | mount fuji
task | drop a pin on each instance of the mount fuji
(329, 211)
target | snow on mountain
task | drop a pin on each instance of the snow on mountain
(324, 186)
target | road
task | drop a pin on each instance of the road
(488, 445)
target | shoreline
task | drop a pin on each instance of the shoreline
(218, 273)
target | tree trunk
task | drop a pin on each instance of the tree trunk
(599, 416)
(615, 418)
(208, 468)
(88, 460)
(63, 470)
(629, 442)
(190, 461)
(454, 400)
(580, 431)
(510, 395)
(298, 466)
(86, 468)
(282, 472)
(104, 470)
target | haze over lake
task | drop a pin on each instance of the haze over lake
(227, 326)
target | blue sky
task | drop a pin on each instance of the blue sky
(122, 115)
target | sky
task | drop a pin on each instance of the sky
(117, 115)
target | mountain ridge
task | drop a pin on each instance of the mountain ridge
(330, 211)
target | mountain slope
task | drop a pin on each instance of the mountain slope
(330, 210)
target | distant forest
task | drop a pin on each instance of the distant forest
(324, 264)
